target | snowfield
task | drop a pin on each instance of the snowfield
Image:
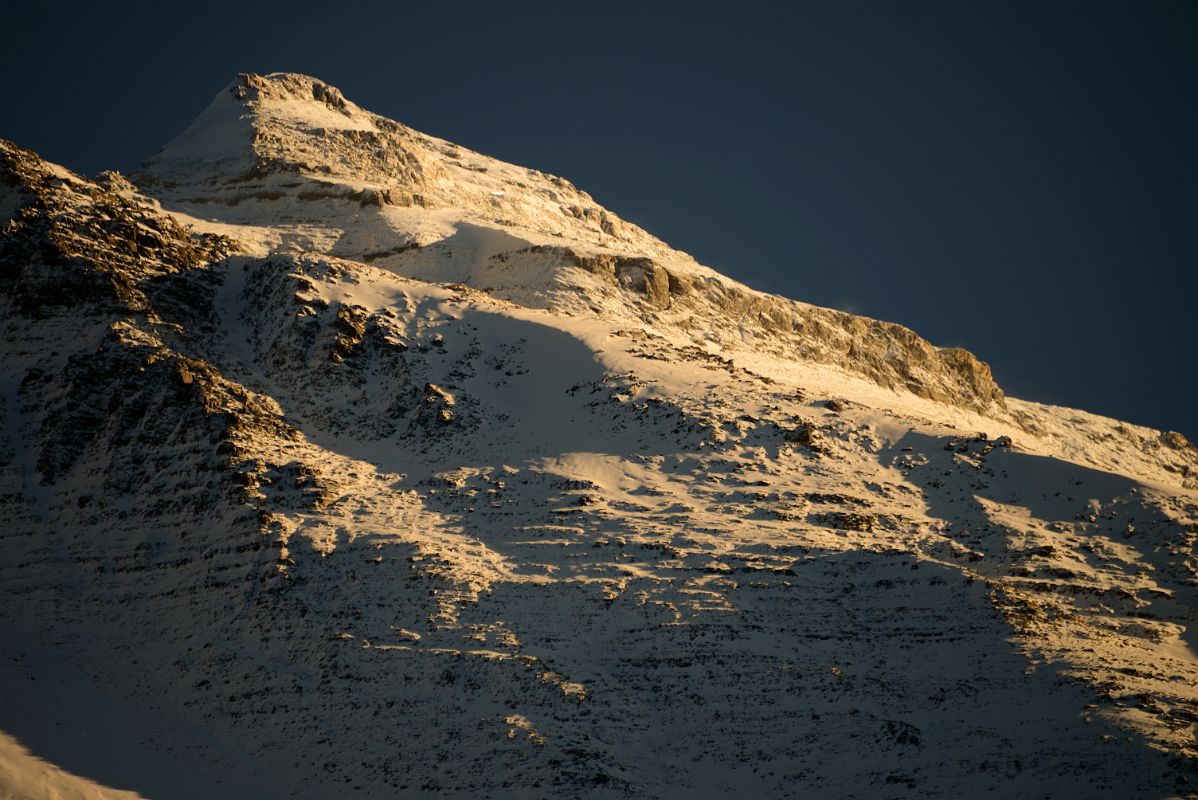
(338, 460)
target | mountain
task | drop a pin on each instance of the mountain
(340, 460)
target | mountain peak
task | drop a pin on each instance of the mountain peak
(291, 85)
(285, 163)
(301, 100)
(266, 123)
(321, 424)
(290, 139)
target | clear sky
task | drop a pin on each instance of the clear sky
(1015, 178)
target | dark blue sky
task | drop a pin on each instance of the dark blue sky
(1016, 178)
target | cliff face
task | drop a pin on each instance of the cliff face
(339, 460)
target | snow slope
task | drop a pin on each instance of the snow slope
(339, 460)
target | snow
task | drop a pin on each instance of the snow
(446, 498)
(222, 134)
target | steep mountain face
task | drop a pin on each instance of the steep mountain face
(339, 460)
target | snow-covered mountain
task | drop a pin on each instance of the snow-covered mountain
(342, 461)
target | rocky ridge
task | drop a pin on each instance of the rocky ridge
(288, 148)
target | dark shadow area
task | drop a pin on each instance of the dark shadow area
(1079, 501)
(863, 674)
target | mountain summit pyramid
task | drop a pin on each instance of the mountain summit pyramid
(339, 460)
(292, 155)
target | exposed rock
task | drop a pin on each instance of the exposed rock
(351, 331)
(120, 244)
(808, 434)
(847, 520)
(1175, 441)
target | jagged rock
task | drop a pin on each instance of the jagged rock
(847, 520)
(645, 277)
(1175, 441)
(351, 331)
(808, 434)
